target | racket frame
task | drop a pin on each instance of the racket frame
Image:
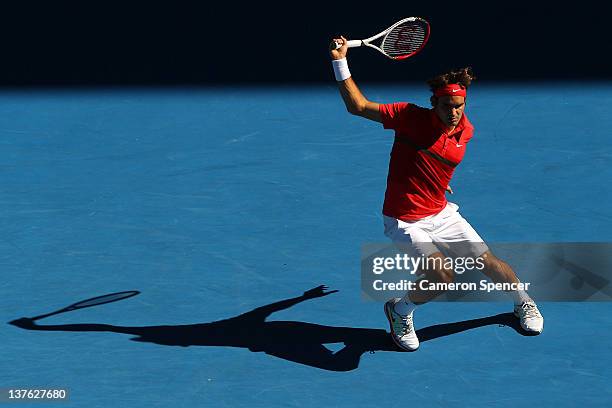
(84, 303)
(367, 42)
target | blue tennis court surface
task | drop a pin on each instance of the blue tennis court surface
(222, 206)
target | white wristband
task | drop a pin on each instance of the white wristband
(341, 69)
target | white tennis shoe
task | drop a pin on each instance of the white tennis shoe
(402, 327)
(530, 317)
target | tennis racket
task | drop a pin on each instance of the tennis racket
(400, 41)
(98, 300)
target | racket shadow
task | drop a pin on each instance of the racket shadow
(299, 342)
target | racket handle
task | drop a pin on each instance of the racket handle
(351, 44)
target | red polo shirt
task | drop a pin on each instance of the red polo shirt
(423, 160)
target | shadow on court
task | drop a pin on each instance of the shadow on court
(299, 342)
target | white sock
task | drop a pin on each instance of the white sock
(520, 297)
(404, 307)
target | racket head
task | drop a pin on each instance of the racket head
(101, 300)
(98, 300)
(405, 38)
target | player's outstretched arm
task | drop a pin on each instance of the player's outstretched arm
(261, 313)
(355, 102)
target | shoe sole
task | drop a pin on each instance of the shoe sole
(528, 331)
(390, 320)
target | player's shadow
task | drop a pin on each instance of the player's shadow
(295, 341)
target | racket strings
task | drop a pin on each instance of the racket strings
(405, 39)
(100, 300)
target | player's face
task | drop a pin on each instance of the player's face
(450, 109)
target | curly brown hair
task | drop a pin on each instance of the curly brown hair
(463, 77)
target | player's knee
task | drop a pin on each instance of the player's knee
(442, 275)
(448, 275)
(437, 269)
(491, 263)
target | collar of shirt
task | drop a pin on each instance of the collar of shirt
(441, 127)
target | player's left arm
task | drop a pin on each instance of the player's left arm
(263, 312)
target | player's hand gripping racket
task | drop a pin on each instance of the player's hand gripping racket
(400, 41)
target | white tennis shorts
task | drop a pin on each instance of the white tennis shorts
(447, 232)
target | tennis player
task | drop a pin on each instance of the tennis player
(429, 144)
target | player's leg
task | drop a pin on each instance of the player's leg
(413, 239)
(524, 307)
(435, 270)
(465, 241)
(497, 270)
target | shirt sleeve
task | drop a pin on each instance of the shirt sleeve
(395, 115)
